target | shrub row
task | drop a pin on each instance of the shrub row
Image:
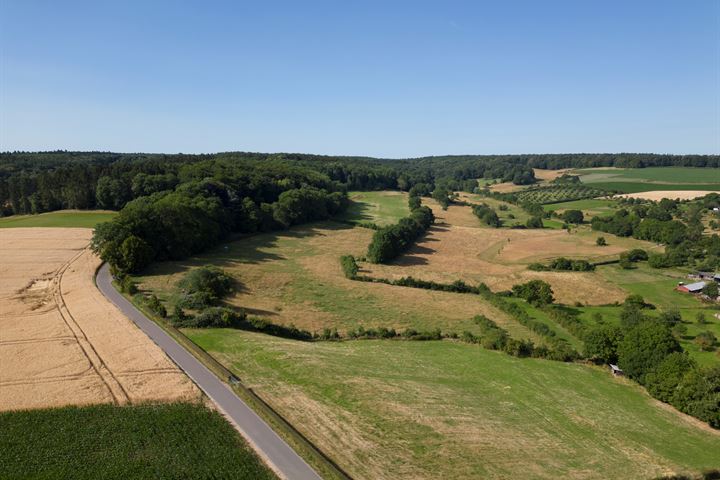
(563, 264)
(389, 242)
(567, 319)
(487, 215)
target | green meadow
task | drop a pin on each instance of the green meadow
(382, 207)
(441, 409)
(60, 218)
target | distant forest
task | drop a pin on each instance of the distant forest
(47, 181)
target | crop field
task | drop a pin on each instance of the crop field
(458, 247)
(185, 441)
(652, 178)
(294, 277)
(399, 409)
(656, 195)
(91, 353)
(61, 218)
(381, 208)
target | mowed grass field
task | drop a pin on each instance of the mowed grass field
(61, 218)
(382, 208)
(399, 409)
(634, 180)
(169, 441)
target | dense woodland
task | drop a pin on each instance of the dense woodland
(46, 181)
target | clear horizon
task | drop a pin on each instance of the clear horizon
(405, 80)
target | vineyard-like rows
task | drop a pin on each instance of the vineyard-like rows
(560, 193)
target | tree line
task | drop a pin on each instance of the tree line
(680, 230)
(389, 242)
(212, 200)
(35, 182)
(644, 346)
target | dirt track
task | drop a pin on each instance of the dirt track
(61, 341)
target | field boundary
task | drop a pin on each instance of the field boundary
(282, 426)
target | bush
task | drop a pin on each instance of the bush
(487, 215)
(209, 283)
(534, 222)
(535, 292)
(706, 341)
(601, 343)
(155, 306)
(349, 266)
(698, 394)
(662, 382)
(127, 285)
(213, 317)
(644, 347)
(573, 216)
(601, 242)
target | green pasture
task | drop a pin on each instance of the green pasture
(441, 409)
(61, 218)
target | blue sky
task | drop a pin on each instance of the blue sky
(391, 79)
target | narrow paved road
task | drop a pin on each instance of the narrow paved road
(282, 458)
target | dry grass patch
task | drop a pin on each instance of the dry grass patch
(499, 257)
(294, 277)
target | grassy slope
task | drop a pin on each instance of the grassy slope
(391, 409)
(382, 208)
(135, 442)
(62, 218)
(295, 277)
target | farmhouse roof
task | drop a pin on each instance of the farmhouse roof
(695, 287)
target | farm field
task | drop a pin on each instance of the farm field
(399, 409)
(652, 178)
(382, 208)
(294, 277)
(186, 441)
(60, 218)
(458, 247)
(656, 195)
(91, 353)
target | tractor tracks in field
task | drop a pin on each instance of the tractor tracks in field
(109, 379)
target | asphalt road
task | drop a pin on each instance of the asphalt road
(269, 445)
